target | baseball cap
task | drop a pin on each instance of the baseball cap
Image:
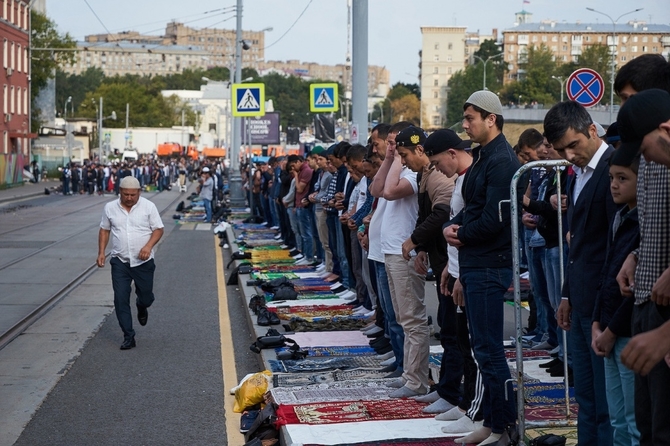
(613, 133)
(411, 136)
(486, 100)
(130, 182)
(317, 150)
(205, 169)
(442, 140)
(641, 114)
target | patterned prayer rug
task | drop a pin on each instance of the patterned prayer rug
(301, 379)
(336, 351)
(317, 394)
(549, 413)
(331, 339)
(345, 412)
(270, 276)
(527, 353)
(359, 374)
(336, 323)
(546, 394)
(403, 442)
(323, 365)
(526, 378)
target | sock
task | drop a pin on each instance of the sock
(480, 434)
(493, 438)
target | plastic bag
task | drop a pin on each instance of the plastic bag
(251, 391)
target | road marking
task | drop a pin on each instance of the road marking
(227, 354)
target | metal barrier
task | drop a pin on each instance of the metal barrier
(514, 211)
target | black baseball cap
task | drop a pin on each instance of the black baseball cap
(442, 140)
(642, 113)
(410, 137)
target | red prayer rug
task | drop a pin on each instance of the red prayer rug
(350, 411)
(404, 442)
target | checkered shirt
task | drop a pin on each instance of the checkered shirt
(653, 203)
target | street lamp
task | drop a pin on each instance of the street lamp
(69, 99)
(560, 81)
(101, 119)
(381, 110)
(486, 62)
(614, 46)
(519, 103)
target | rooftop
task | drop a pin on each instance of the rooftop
(123, 45)
(621, 28)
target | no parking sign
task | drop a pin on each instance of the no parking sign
(585, 86)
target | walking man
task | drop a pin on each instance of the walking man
(136, 227)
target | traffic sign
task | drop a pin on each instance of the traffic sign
(248, 99)
(323, 98)
(585, 86)
(353, 137)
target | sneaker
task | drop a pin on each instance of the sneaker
(283, 246)
(385, 357)
(298, 257)
(303, 261)
(335, 285)
(277, 237)
(274, 227)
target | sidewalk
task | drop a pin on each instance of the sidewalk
(28, 190)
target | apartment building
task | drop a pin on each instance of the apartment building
(443, 53)
(14, 77)
(568, 40)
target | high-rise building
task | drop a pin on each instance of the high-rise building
(442, 54)
(567, 41)
(14, 76)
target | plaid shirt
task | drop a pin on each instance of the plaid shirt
(330, 194)
(653, 203)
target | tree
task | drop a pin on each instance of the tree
(407, 108)
(43, 62)
(598, 57)
(537, 85)
(76, 86)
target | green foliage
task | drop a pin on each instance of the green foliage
(76, 86)
(43, 64)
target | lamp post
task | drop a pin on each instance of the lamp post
(560, 81)
(69, 99)
(614, 46)
(100, 121)
(486, 62)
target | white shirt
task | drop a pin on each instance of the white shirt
(400, 217)
(132, 230)
(456, 205)
(375, 232)
(583, 175)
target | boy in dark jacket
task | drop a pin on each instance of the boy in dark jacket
(611, 329)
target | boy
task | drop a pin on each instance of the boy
(611, 329)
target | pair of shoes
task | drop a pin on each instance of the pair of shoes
(128, 344)
(267, 317)
(550, 364)
(142, 315)
(303, 261)
(283, 246)
(389, 368)
(274, 227)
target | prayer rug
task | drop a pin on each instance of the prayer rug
(308, 302)
(527, 353)
(316, 394)
(546, 394)
(336, 351)
(336, 323)
(314, 310)
(402, 442)
(359, 374)
(271, 276)
(549, 413)
(343, 412)
(301, 379)
(331, 339)
(526, 378)
(323, 365)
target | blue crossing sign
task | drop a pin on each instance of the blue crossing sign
(585, 86)
(248, 99)
(323, 98)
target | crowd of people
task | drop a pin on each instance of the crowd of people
(381, 217)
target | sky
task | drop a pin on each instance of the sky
(316, 30)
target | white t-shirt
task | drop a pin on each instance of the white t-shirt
(362, 192)
(456, 205)
(375, 232)
(400, 217)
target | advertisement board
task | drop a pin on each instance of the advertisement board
(264, 130)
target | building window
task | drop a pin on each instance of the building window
(436, 70)
(623, 58)
(600, 38)
(450, 46)
(554, 38)
(544, 38)
(564, 39)
(436, 83)
(511, 37)
(19, 54)
(13, 57)
(645, 49)
(534, 38)
(510, 57)
(435, 94)
(448, 70)
(654, 39)
(634, 38)
(11, 100)
(4, 91)
(624, 39)
(654, 49)
(633, 49)
(587, 38)
(564, 58)
(554, 48)
(436, 120)
(437, 46)
(623, 49)
(565, 47)
(436, 58)
(645, 39)
(449, 58)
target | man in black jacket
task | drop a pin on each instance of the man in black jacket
(485, 256)
(569, 127)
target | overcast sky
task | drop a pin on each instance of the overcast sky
(320, 34)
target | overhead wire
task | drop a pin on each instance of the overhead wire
(290, 27)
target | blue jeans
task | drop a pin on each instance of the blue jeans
(593, 423)
(318, 247)
(484, 290)
(392, 327)
(273, 211)
(620, 384)
(538, 282)
(208, 210)
(305, 224)
(122, 276)
(266, 210)
(336, 243)
(552, 273)
(540, 310)
(295, 227)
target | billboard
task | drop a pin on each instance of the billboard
(264, 129)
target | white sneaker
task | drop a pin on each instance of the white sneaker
(320, 268)
(277, 237)
(303, 261)
(298, 257)
(274, 227)
(462, 426)
(335, 285)
(283, 246)
(369, 314)
(347, 294)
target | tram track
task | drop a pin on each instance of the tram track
(43, 308)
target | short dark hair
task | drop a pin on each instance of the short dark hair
(356, 153)
(644, 72)
(382, 130)
(272, 160)
(500, 121)
(294, 158)
(399, 127)
(566, 115)
(530, 138)
(634, 165)
(341, 149)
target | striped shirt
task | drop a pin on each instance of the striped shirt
(653, 204)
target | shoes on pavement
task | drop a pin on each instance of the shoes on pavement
(142, 315)
(128, 344)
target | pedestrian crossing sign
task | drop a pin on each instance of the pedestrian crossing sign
(248, 99)
(323, 98)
